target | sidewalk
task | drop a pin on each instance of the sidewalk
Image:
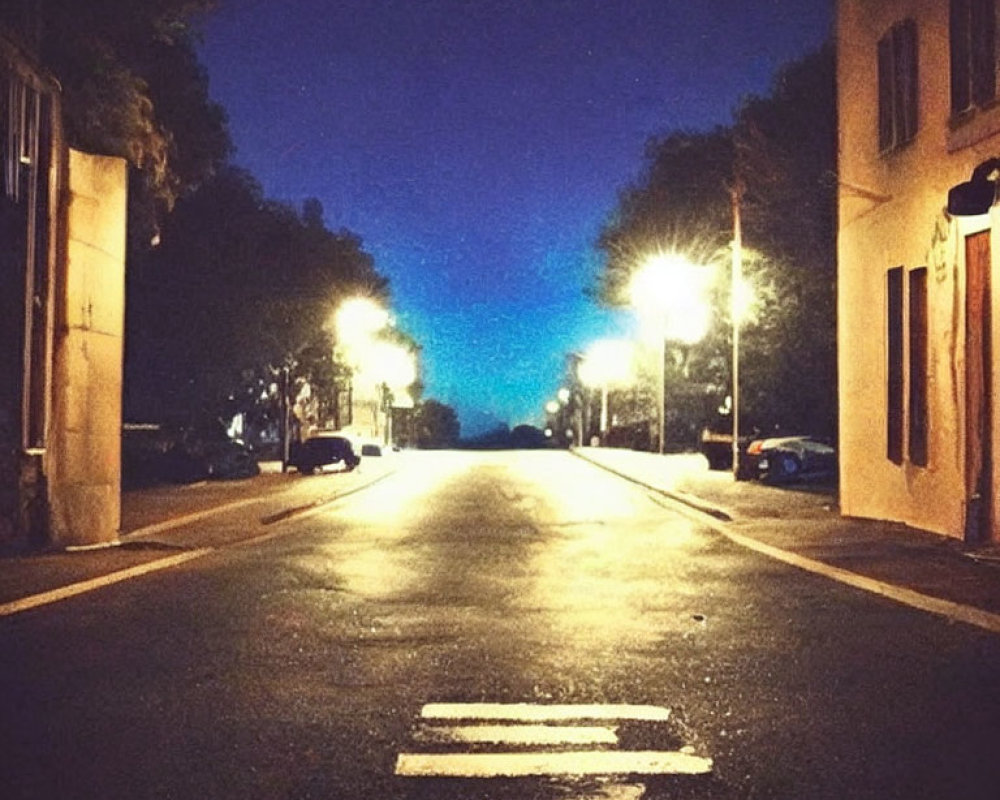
(804, 522)
(160, 526)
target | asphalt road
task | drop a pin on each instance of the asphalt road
(493, 626)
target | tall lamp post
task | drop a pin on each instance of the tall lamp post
(358, 322)
(741, 300)
(393, 369)
(669, 292)
(606, 362)
(735, 312)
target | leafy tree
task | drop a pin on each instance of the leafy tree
(780, 152)
(527, 437)
(787, 144)
(437, 425)
(679, 204)
(132, 86)
(240, 288)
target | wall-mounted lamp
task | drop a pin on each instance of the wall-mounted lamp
(975, 196)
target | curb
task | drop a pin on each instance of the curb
(681, 497)
(948, 609)
(298, 511)
(270, 519)
(183, 552)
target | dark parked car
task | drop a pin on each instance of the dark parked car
(790, 458)
(229, 459)
(324, 450)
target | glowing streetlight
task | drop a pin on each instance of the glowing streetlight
(357, 320)
(388, 363)
(606, 362)
(380, 368)
(388, 370)
(669, 293)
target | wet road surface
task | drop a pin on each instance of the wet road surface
(490, 626)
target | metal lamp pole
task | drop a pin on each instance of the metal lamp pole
(737, 272)
(661, 393)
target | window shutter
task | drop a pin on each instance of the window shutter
(885, 94)
(919, 377)
(961, 98)
(894, 384)
(905, 46)
(982, 28)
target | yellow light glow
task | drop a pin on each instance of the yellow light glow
(388, 363)
(670, 295)
(359, 318)
(743, 300)
(607, 362)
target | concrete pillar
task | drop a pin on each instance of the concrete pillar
(83, 459)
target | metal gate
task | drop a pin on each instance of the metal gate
(28, 108)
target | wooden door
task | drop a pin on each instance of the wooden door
(978, 376)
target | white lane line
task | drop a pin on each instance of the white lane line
(549, 735)
(519, 765)
(949, 609)
(958, 612)
(613, 791)
(82, 587)
(528, 712)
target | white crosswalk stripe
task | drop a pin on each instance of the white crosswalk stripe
(527, 712)
(576, 763)
(518, 735)
(515, 740)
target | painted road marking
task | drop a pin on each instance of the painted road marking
(82, 587)
(957, 612)
(527, 712)
(717, 520)
(522, 735)
(520, 765)
(520, 725)
(612, 791)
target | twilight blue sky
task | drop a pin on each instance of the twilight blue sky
(477, 145)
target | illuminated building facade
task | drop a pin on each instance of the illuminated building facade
(918, 314)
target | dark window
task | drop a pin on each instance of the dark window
(918, 367)
(972, 34)
(897, 85)
(894, 337)
(26, 119)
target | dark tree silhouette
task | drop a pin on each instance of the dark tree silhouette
(781, 150)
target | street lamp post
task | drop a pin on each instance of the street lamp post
(286, 414)
(735, 312)
(606, 362)
(661, 397)
(669, 291)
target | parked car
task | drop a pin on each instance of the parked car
(324, 450)
(229, 460)
(371, 449)
(790, 458)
